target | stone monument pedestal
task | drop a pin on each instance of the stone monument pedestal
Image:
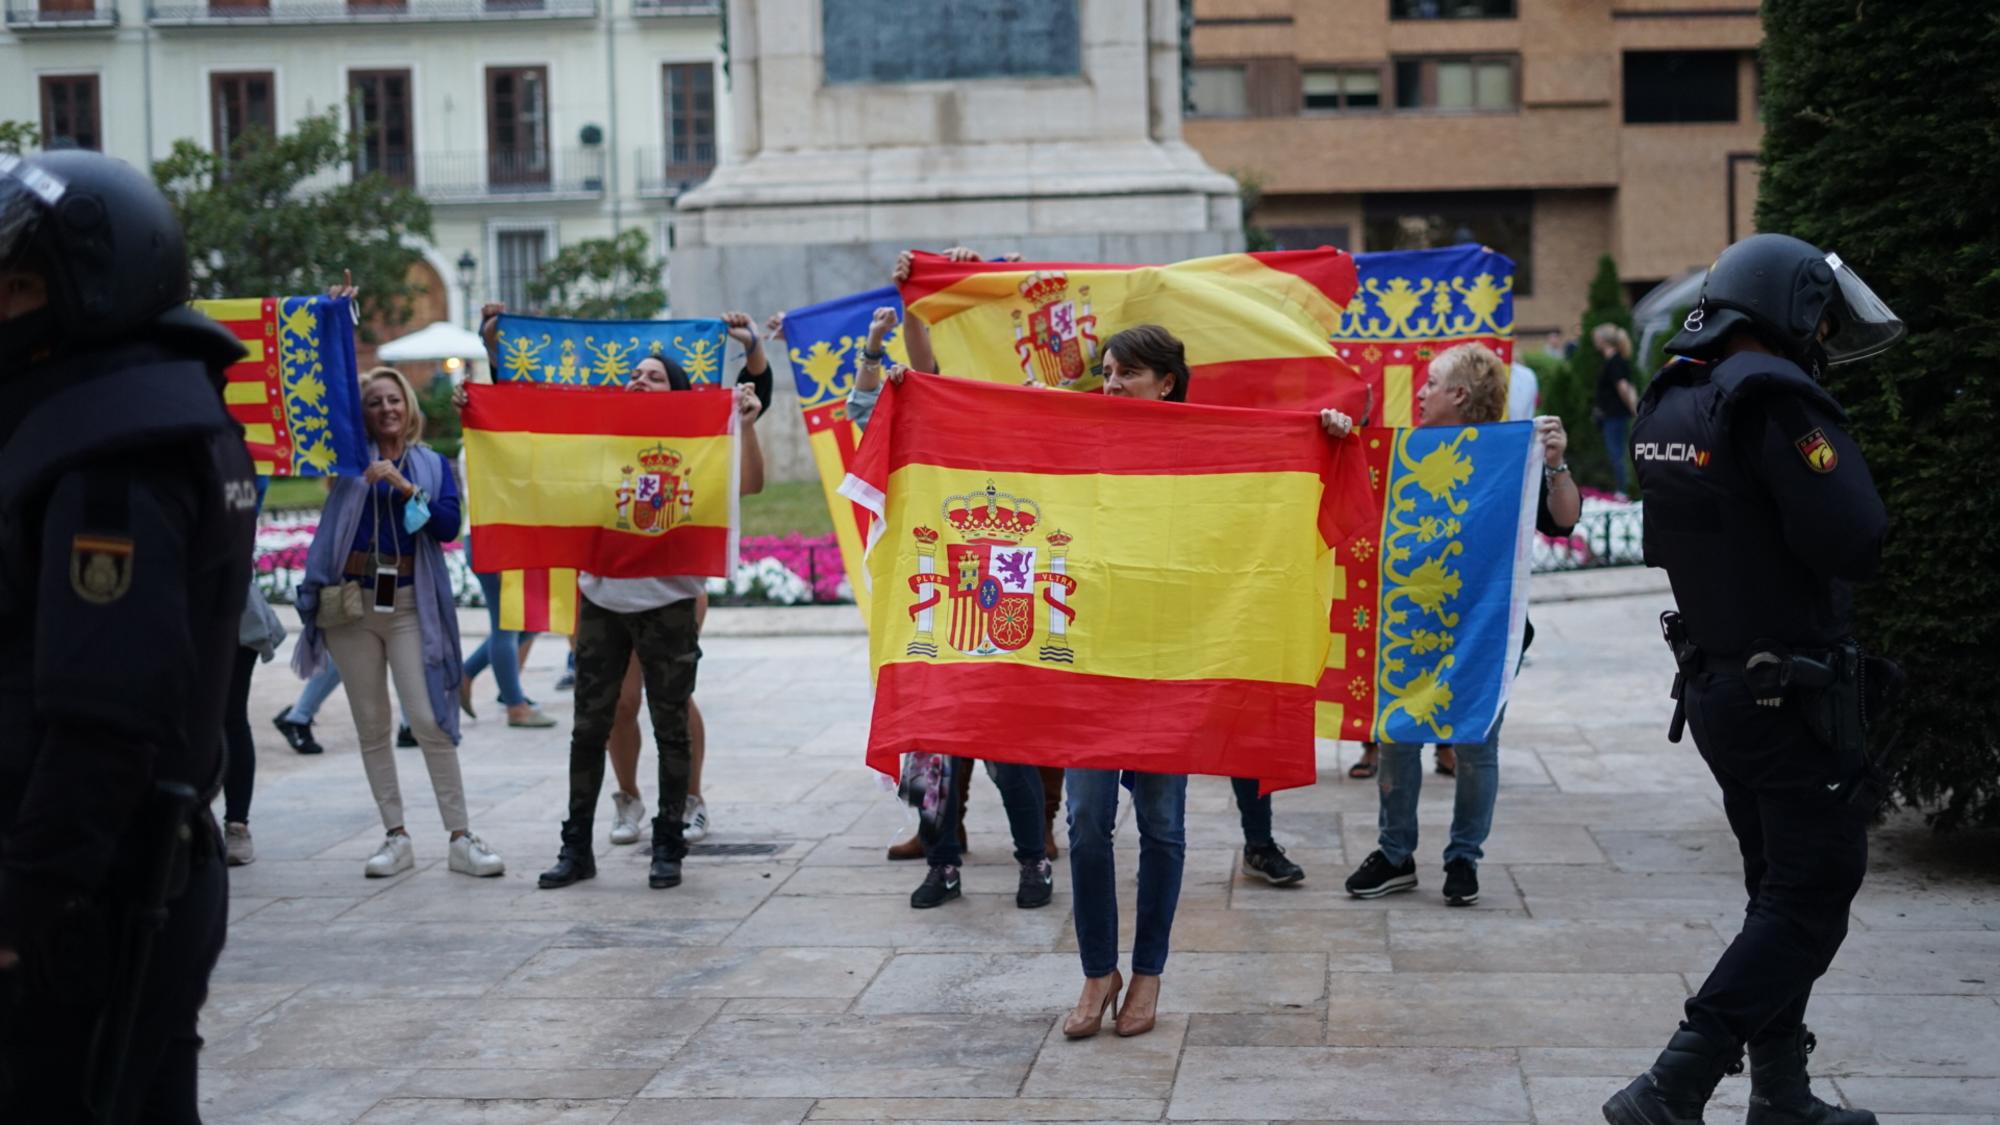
(866, 127)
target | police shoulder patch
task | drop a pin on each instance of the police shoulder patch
(100, 567)
(1819, 454)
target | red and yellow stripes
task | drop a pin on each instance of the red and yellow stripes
(252, 391)
(1255, 325)
(623, 485)
(538, 601)
(1075, 580)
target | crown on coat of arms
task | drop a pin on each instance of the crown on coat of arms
(925, 535)
(1059, 539)
(1045, 286)
(659, 459)
(993, 515)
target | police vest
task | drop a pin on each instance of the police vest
(1710, 523)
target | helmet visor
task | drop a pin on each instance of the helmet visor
(26, 194)
(1865, 325)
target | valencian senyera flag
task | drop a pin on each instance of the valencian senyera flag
(824, 343)
(1413, 304)
(296, 391)
(1082, 581)
(538, 601)
(1431, 588)
(601, 353)
(1256, 326)
(622, 485)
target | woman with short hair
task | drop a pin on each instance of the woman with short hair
(377, 600)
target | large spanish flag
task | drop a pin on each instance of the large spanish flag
(1256, 326)
(1075, 580)
(621, 484)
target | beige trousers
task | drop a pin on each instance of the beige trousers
(368, 652)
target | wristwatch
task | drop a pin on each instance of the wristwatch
(1556, 470)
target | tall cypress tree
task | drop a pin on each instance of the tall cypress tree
(1879, 145)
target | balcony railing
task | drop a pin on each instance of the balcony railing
(58, 15)
(264, 13)
(674, 170)
(676, 7)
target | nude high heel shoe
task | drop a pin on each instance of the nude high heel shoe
(1079, 1025)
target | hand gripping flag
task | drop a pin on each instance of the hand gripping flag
(824, 343)
(1256, 326)
(624, 485)
(602, 353)
(1431, 588)
(296, 392)
(1413, 304)
(1076, 580)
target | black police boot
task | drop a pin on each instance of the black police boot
(1674, 1091)
(666, 869)
(1780, 1092)
(575, 862)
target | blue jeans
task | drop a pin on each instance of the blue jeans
(1617, 442)
(1020, 792)
(1159, 804)
(501, 648)
(314, 693)
(1402, 779)
(1254, 811)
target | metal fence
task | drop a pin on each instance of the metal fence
(266, 12)
(27, 15)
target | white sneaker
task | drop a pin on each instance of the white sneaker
(695, 820)
(471, 856)
(237, 846)
(395, 856)
(628, 819)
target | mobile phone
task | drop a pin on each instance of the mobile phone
(385, 589)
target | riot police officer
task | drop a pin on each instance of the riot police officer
(1760, 508)
(127, 510)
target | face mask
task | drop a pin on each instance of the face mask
(416, 513)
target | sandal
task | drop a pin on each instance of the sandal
(1444, 770)
(1363, 769)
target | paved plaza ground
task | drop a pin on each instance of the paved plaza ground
(798, 985)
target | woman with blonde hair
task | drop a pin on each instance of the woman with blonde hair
(1617, 397)
(377, 600)
(1467, 386)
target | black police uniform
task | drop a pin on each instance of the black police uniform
(1760, 508)
(127, 517)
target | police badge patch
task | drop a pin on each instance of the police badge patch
(100, 567)
(1819, 453)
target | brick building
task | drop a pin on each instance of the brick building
(1553, 130)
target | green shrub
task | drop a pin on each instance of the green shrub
(1869, 153)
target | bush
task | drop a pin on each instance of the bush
(1868, 154)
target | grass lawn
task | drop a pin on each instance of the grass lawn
(784, 507)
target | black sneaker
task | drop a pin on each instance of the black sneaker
(939, 887)
(1378, 877)
(405, 737)
(1268, 861)
(1038, 885)
(298, 736)
(1461, 883)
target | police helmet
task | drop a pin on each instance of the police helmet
(1781, 288)
(102, 237)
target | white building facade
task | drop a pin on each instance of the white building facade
(527, 124)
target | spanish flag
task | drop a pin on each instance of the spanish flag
(1083, 581)
(623, 485)
(1256, 326)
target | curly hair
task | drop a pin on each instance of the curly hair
(1481, 373)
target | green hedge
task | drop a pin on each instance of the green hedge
(1879, 144)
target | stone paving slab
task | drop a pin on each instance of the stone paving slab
(795, 984)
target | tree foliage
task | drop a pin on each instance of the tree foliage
(279, 215)
(1879, 145)
(17, 137)
(613, 278)
(1573, 392)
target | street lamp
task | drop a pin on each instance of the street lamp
(468, 268)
